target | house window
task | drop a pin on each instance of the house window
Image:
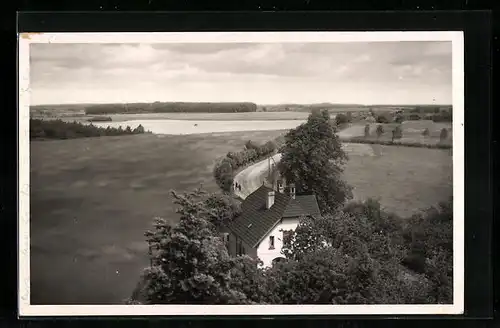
(271, 242)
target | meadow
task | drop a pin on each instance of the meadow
(404, 179)
(93, 198)
(412, 132)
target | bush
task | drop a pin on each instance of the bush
(342, 119)
(443, 135)
(399, 118)
(383, 118)
(444, 116)
(367, 130)
(380, 130)
(397, 133)
(224, 169)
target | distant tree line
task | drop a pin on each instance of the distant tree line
(171, 107)
(58, 129)
(225, 168)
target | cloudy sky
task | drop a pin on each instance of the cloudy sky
(265, 73)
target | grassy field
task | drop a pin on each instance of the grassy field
(93, 198)
(412, 132)
(404, 179)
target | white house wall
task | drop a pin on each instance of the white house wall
(268, 255)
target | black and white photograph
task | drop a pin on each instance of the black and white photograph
(241, 173)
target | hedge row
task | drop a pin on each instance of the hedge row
(170, 107)
(58, 129)
(225, 168)
(398, 143)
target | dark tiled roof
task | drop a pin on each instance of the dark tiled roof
(256, 221)
(302, 205)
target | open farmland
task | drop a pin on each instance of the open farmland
(404, 179)
(412, 132)
(93, 198)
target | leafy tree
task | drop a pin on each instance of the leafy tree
(341, 119)
(139, 129)
(367, 130)
(379, 131)
(223, 174)
(426, 132)
(397, 132)
(429, 240)
(224, 209)
(313, 159)
(444, 135)
(248, 278)
(383, 118)
(190, 263)
(355, 255)
(399, 118)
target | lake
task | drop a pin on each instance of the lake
(182, 127)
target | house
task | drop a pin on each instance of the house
(268, 215)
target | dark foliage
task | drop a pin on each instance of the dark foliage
(383, 118)
(224, 168)
(444, 116)
(170, 107)
(380, 130)
(443, 135)
(313, 159)
(58, 129)
(342, 118)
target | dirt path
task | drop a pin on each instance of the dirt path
(252, 177)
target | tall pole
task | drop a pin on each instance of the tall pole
(269, 166)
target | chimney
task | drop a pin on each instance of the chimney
(270, 199)
(292, 190)
(281, 186)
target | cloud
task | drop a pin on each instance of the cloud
(260, 72)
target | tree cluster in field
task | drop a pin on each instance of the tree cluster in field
(224, 169)
(342, 118)
(171, 107)
(353, 253)
(58, 129)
